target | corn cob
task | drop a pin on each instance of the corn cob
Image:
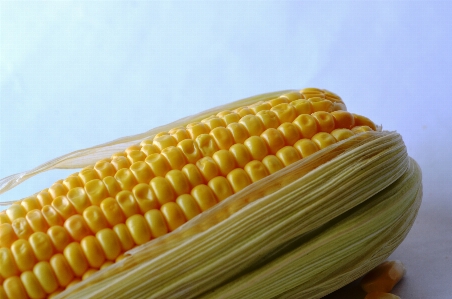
(205, 175)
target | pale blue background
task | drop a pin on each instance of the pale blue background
(77, 74)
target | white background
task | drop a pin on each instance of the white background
(77, 74)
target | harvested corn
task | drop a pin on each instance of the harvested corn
(193, 180)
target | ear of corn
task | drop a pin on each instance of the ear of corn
(286, 195)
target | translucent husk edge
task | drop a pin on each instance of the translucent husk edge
(302, 232)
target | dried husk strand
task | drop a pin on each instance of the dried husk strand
(209, 258)
(340, 251)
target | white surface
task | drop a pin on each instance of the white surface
(74, 75)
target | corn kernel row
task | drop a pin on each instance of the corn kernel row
(88, 220)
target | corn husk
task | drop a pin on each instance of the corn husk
(300, 233)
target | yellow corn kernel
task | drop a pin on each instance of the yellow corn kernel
(103, 169)
(238, 132)
(145, 197)
(222, 137)
(8, 267)
(383, 277)
(51, 216)
(77, 227)
(86, 175)
(23, 255)
(118, 154)
(214, 122)
(285, 112)
(95, 219)
(220, 187)
(127, 203)
(138, 229)
(288, 155)
(96, 191)
(135, 156)
(42, 246)
(156, 222)
(289, 132)
(302, 106)
(36, 221)
(243, 111)
(30, 203)
(323, 139)
(149, 149)
(162, 190)
(63, 206)
(343, 119)
(190, 150)
(77, 197)
(381, 295)
(4, 218)
(14, 288)
(292, 96)
(21, 228)
(141, 172)
(32, 285)
(88, 273)
(179, 134)
(325, 121)
(253, 125)
(45, 276)
(259, 106)
(231, 118)
(126, 179)
(206, 145)
(178, 181)
(274, 140)
(306, 124)
(59, 236)
(135, 147)
(112, 211)
(238, 179)
(120, 162)
(188, 205)
(62, 269)
(364, 121)
(164, 141)
(44, 198)
(158, 164)
(342, 134)
(193, 175)
(73, 282)
(173, 215)
(305, 147)
(175, 157)
(109, 242)
(257, 147)
(321, 104)
(361, 129)
(92, 251)
(208, 168)
(204, 197)
(75, 258)
(7, 235)
(106, 264)
(241, 154)
(124, 237)
(197, 128)
(311, 90)
(225, 161)
(112, 185)
(57, 189)
(268, 118)
(256, 170)
(277, 101)
(120, 258)
(15, 211)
